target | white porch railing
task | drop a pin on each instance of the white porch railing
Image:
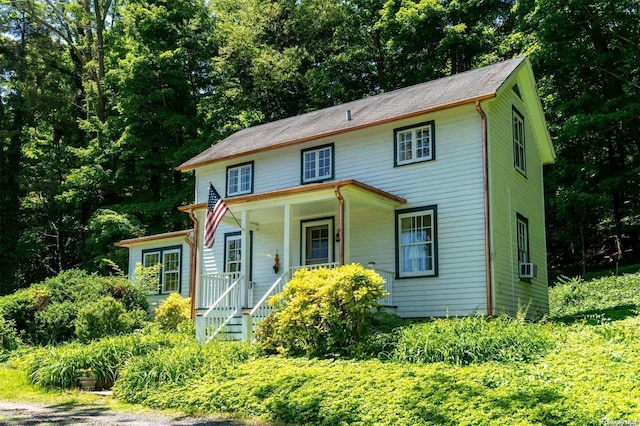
(387, 276)
(220, 313)
(212, 286)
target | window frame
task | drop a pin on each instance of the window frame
(239, 167)
(238, 235)
(413, 128)
(304, 224)
(432, 211)
(519, 146)
(161, 251)
(522, 240)
(317, 178)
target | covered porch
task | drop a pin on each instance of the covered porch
(268, 236)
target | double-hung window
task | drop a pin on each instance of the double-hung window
(522, 235)
(416, 242)
(170, 259)
(240, 179)
(414, 143)
(519, 151)
(317, 164)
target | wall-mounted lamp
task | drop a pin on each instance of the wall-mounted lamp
(338, 237)
(371, 264)
(276, 263)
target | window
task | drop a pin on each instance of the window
(233, 252)
(169, 275)
(240, 179)
(519, 152)
(414, 144)
(522, 235)
(317, 164)
(416, 242)
(317, 241)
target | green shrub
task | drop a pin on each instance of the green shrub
(9, 340)
(106, 317)
(46, 312)
(467, 340)
(321, 311)
(173, 311)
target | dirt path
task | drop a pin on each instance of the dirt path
(23, 414)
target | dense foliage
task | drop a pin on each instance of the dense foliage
(321, 311)
(580, 367)
(100, 101)
(173, 311)
(47, 312)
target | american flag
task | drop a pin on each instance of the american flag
(216, 209)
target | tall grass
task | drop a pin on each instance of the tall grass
(463, 341)
(60, 367)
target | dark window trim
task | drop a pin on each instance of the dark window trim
(226, 176)
(434, 208)
(331, 236)
(224, 254)
(431, 123)
(524, 220)
(333, 163)
(161, 250)
(514, 110)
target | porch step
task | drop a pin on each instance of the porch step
(233, 330)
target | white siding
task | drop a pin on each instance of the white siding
(511, 193)
(453, 182)
(135, 256)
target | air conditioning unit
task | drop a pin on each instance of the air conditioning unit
(528, 270)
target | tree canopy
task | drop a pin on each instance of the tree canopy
(100, 100)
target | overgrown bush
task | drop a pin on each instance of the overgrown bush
(46, 312)
(9, 340)
(106, 317)
(173, 311)
(468, 340)
(321, 312)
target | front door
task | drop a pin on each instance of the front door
(317, 242)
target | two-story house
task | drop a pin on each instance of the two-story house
(437, 186)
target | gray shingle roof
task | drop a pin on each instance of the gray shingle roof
(481, 83)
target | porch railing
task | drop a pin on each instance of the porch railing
(388, 286)
(213, 285)
(221, 312)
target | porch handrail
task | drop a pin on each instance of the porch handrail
(222, 311)
(277, 285)
(387, 276)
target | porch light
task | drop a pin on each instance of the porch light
(338, 237)
(371, 264)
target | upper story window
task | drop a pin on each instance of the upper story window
(416, 242)
(317, 164)
(240, 179)
(169, 258)
(519, 152)
(414, 143)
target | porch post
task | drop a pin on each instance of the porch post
(244, 262)
(346, 226)
(286, 255)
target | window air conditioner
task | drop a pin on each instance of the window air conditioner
(528, 270)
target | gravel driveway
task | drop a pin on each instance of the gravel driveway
(19, 413)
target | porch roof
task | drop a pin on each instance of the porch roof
(164, 236)
(351, 185)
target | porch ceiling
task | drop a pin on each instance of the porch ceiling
(308, 200)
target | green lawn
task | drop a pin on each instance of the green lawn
(583, 370)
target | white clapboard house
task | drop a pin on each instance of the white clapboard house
(437, 186)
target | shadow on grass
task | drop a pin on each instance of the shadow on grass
(597, 316)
